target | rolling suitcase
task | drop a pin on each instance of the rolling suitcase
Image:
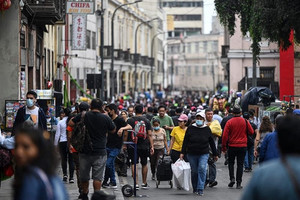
(164, 171)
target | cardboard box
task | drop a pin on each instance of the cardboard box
(254, 107)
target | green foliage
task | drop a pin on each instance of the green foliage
(269, 19)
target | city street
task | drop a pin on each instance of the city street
(220, 192)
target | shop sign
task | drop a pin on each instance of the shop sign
(44, 94)
(77, 7)
(79, 32)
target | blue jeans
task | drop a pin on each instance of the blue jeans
(198, 167)
(249, 157)
(112, 153)
(212, 174)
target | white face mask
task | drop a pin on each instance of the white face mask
(29, 103)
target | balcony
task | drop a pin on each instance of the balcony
(118, 53)
(146, 60)
(127, 56)
(137, 57)
(45, 12)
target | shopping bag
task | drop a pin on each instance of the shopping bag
(182, 174)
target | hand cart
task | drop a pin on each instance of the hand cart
(128, 190)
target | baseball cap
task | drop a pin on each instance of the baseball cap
(183, 117)
(202, 114)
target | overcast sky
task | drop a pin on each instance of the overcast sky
(209, 11)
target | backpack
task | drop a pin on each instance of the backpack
(80, 134)
(140, 129)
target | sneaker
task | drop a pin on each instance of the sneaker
(71, 180)
(113, 186)
(137, 187)
(213, 184)
(65, 178)
(105, 185)
(231, 184)
(226, 162)
(145, 186)
(246, 170)
(200, 193)
(238, 186)
(153, 177)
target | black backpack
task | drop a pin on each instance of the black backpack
(80, 134)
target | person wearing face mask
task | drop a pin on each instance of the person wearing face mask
(30, 112)
(114, 145)
(160, 144)
(197, 139)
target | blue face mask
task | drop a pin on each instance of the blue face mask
(29, 103)
(199, 122)
(156, 128)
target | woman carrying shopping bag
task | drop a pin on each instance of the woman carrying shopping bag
(178, 134)
(197, 140)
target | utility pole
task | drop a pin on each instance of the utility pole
(254, 79)
(101, 51)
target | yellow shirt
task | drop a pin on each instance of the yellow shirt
(178, 134)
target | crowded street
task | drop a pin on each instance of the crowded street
(154, 99)
(221, 192)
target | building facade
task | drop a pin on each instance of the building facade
(194, 63)
(187, 16)
(28, 61)
(240, 63)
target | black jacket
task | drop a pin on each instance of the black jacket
(197, 141)
(20, 119)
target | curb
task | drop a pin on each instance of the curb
(118, 192)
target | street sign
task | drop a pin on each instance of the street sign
(80, 7)
(79, 32)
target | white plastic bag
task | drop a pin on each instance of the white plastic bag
(182, 174)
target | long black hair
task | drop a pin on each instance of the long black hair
(46, 160)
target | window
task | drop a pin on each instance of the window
(188, 70)
(204, 70)
(183, 4)
(22, 39)
(93, 40)
(189, 49)
(215, 45)
(176, 70)
(267, 72)
(197, 47)
(187, 17)
(196, 70)
(88, 39)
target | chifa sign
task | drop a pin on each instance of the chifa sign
(80, 7)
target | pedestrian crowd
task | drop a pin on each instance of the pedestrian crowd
(92, 139)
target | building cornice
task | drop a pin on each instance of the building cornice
(240, 53)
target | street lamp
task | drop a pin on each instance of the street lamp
(135, 51)
(152, 56)
(112, 81)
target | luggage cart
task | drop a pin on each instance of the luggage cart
(128, 190)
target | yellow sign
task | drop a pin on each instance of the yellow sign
(170, 22)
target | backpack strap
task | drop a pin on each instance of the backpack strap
(44, 178)
(292, 176)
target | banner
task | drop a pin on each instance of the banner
(77, 7)
(79, 32)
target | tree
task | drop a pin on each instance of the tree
(269, 19)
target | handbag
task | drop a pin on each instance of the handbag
(250, 140)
